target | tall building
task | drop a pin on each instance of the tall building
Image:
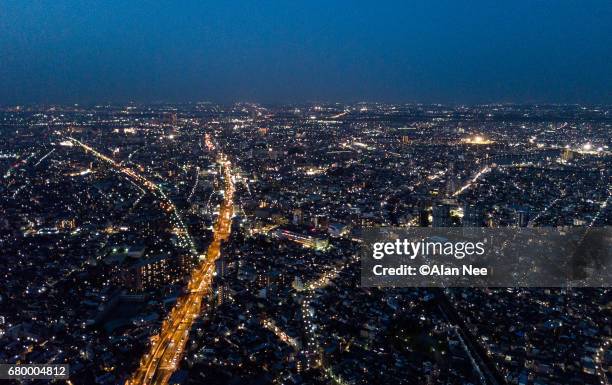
(221, 293)
(154, 272)
(320, 221)
(169, 118)
(522, 217)
(452, 185)
(441, 216)
(567, 155)
(473, 216)
(298, 217)
(186, 263)
(423, 218)
(220, 266)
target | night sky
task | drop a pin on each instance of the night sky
(295, 51)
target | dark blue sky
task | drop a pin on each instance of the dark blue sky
(292, 51)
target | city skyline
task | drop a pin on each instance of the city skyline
(182, 244)
(306, 193)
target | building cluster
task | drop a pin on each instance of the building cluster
(106, 211)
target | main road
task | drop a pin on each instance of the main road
(167, 347)
(166, 350)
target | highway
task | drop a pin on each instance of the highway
(167, 347)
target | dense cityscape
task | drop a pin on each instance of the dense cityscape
(202, 243)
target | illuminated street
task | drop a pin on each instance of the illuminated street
(118, 257)
(303, 193)
(160, 362)
(181, 230)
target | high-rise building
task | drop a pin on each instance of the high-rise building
(522, 217)
(452, 185)
(221, 294)
(441, 216)
(423, 217)
(567, 155)
(169, 118)
(321, 221)
(220, 267)
(298, 217)
(186, 263)
(154, 272)
(473, 216)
